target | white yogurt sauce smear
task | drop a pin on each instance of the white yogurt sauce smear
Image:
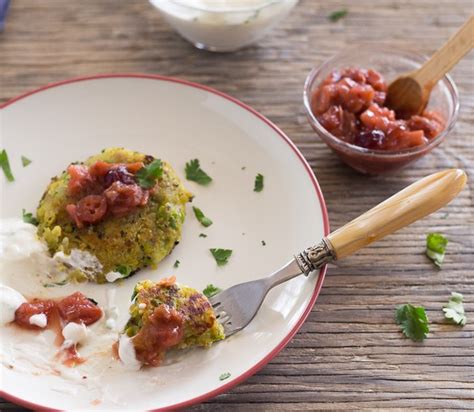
(127, 355)
(25, 269)
(40, 320)
(18, 240)
(10, 301)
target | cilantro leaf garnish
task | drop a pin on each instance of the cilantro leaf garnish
(25, 161)
(338, 15)
(221, 255)
(454, 309)
(134, 294)
(211, 290)
(29, 218)
(413, 320)
(176, 264)
(204, 220)
(258, 187)
(123, 270)
(224, 376)
(202, 235)
(436, 247)
(196, 174)
(54, 284)
(5, 165)
(147, 176)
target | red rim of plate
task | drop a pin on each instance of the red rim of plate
(229, 385)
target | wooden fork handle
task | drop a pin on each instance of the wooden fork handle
(412, 203)
(446, 58)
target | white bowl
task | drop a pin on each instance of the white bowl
(220, 25)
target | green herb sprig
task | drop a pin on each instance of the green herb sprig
(338, 15)
(5, 165)
(454, 309)
(221, 256)
(29, 218)
(203, 219)
(258, 186)
(196, 174)
(211, 290)
(413, 321)
(148, 175)
(25, 161)
(224, 376)
(436, 248)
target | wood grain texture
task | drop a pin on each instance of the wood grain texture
(349, 354)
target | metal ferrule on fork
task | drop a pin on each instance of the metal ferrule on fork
(314, 257)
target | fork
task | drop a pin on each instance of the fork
(237, 306)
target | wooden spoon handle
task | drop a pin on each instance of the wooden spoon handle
(412, 203)
(446, 58)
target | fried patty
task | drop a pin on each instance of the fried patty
(123, 244)
(189, 315)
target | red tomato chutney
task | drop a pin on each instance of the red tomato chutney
(73, 308)
(104, 189)
(163, 329)
(349, 104)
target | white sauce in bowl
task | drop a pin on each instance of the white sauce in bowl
(223, 25)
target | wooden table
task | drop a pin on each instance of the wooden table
(350, 353)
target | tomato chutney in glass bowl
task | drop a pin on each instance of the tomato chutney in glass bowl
(344, 100)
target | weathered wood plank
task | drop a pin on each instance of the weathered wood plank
(349, 354)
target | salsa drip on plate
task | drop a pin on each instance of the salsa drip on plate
(104, 188)
(350, 104)
(75, 308)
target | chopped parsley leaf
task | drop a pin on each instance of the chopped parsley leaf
(221, 255)
(54, 284)
(176, 264)
(25, 161)
(258, 187)
(196, 174)
(202, 235)
(224, 376)
(436, 247)
(29, 218)
(454, 309)
(147, 176)
(123, 270)
(211, 290)
(204, 220)
(413, 321)
(134, 294)
(263, 243)
(338, 15)
(5, 165)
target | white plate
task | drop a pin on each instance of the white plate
(178, 121)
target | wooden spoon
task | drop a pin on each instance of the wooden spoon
(409, 93)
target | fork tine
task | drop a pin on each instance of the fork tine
(215, 300)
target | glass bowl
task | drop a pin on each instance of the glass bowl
(390, 63)
(223, 26)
